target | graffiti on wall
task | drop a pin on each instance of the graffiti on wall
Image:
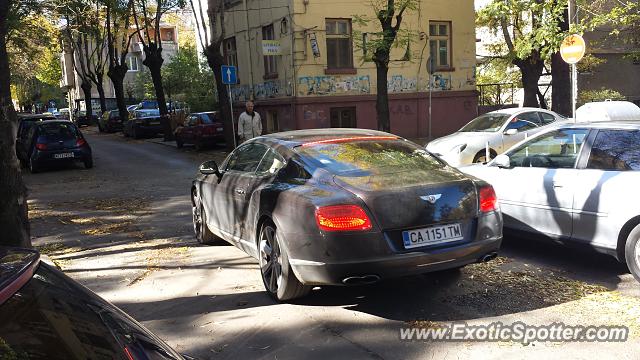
(334, 85)
(261, 91)
(441, 82)
(399, 83)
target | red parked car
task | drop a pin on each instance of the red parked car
(200, 129)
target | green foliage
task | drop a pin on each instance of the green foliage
(142, 87)
(48, 69)
(368, 42)
(599, 95)
(523, 27)
(589, 62)
(622, 17)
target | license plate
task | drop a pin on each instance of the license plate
(154, 123)
(63, 155)
(219, 129)
(432, 235)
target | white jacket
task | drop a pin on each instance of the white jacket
(249, 127)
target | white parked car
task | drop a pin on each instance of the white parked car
(574, 183)
(501, 129)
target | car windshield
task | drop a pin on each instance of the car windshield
(145, 113)
(491, 122)
(368, 157)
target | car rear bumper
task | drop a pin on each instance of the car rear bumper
(345, 273)
(48, 157)
(330, 258)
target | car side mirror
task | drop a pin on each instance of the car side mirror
(501, 161)
(511, 132)
(209, 168)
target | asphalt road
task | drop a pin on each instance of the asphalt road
(124, 230)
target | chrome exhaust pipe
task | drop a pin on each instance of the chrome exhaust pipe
(361, 280)
(488, 257)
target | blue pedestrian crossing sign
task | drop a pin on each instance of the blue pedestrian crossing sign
(229, 75)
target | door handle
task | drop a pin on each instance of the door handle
(240, 191)
(557, 185)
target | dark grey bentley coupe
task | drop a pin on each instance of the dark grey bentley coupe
(343, 207)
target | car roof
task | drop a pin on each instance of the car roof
(35, 116)
(59, 121)
(299, 137)
(515, 110)
(608, 111)
(618, 124)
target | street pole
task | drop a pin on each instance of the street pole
(574, 71)
(430, 138)
(233, 124)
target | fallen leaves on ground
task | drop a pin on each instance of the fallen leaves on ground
(156, 258)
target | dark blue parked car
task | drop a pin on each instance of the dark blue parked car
(55, 142)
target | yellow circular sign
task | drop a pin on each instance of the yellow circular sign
(573, 48)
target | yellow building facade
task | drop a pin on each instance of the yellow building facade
(304, 64)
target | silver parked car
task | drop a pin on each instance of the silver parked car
(574, 182)
(501, 129)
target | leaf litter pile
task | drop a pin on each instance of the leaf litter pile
(499, 287)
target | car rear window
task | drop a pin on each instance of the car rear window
(58, 130)
(368, 157)
(208, 118)
(145, 113)
(616, 150)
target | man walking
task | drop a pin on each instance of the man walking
(249, 123)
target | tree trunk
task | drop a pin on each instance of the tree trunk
(14, 220)
(117, 73)
(531, 70)
(86, 90)
(153, 60)
(382, 98)
(215, 61)
(561, 75)
(103, 101)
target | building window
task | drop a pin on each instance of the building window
(270, 64)
(339, 44)
(167, 35)
(272, 121)
(132, 63)
(231, 53)
(343, 117)
(440, 44)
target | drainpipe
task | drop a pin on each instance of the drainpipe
(246, 12)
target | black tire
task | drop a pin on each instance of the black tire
(200, 227)
(632, 252)
(482, 155)
(277, 276)
(33, 168)
(88, 163)
(179, 144)
(198, 145)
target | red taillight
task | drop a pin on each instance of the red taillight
(342, 218)
(41, 146)
(128, 353)
(488, 199)
(81, 142)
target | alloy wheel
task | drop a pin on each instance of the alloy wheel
(270, 259)
(637, 253)
(197, 219)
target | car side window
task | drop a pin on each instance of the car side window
(555, 150)
(615, 150)
(246, 158)
(547, 118)
(271, 163)
(525, 121)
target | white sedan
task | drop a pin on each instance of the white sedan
(575, 183)
(501, 129)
